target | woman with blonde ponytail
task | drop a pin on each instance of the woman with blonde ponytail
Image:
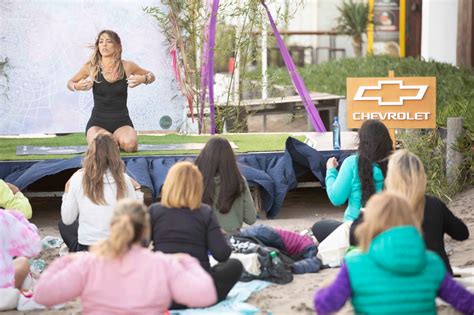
(91, 193)
(120, 276)
(110, 77)
(123, 231)
(406, 176)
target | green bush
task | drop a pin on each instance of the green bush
(454, 86)
(431, 149)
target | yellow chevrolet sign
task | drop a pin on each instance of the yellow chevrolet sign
(399, 102)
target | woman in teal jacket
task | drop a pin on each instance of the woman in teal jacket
(394, 273)
(360, 176)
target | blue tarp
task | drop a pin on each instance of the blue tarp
(275, 173)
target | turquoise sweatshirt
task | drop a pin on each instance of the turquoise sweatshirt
(345, 186)
(396, 276)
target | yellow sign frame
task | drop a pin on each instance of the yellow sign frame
(401, 30)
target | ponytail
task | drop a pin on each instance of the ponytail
(129, 225)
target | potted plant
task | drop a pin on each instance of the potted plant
(353, 21)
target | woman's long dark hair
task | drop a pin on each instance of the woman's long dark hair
(375, 145)
(218, 159)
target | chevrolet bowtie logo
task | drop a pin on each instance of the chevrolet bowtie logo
(359, 96)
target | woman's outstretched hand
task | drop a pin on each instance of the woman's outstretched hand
(83, 85)
(134, 80)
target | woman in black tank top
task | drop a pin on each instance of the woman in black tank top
(110, 77)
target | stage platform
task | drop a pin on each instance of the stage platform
(273, 173)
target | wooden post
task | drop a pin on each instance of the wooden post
(465, 41)
(391, 74)
(453, 157)
(391, 131)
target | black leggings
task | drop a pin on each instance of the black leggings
(70, 238)
(111, 124)
(323, 228)
(225, 276)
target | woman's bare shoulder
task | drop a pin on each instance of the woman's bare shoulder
(128, 63)
(86, 66)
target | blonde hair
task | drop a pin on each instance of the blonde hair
(382, 212)
(130, 224)
(103, 154)
(406, 175)
(183, 187)
(95, 60)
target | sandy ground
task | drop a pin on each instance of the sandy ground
(301, 209)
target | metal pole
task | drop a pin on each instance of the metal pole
(236, 94)
(235, 76)
(264, 58)
(264, 68)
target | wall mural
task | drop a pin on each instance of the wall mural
(44, 43)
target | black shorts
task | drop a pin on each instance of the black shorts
(110, 123)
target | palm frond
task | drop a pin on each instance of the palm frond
(353, 19)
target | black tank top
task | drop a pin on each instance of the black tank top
(110, 99)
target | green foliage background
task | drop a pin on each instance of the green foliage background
(454, 86)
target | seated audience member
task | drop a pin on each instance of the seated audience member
(361, 175)
(120, 276)
(18, 239)
(394, 273)
(182, 224)
(12, 198)
(299, 247)
(406, 176)
(225, 189)
(91, 193)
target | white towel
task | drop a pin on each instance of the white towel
(9, 298)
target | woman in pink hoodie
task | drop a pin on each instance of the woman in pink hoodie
(120, 276)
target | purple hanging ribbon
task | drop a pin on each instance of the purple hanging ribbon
(204, 70)
(210, 52)
(296, 79)
(207, 68)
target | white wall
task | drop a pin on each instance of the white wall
(327, 15)
(439, 30)
(315, 15)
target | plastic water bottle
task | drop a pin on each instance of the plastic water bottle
(37, 266)
(336, 134)
(276, 261)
